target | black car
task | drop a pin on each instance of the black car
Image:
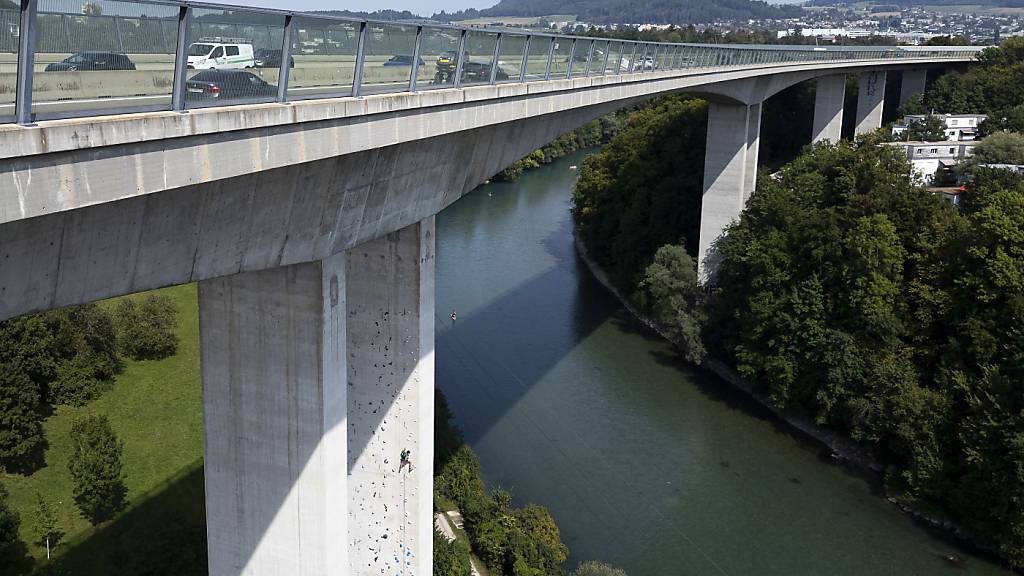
(481, 72)
(401, 60)
(227, 84)
(270, 58)
(92, 61)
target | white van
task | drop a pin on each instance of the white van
(220, 54)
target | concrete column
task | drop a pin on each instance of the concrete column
(870, 99)
(829, 96)
(753, 148)
(913, 83)
(730, 169)
(273, 363)
(390, 299)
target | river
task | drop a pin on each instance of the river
(644, 462)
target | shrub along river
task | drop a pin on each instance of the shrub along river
(644, 462)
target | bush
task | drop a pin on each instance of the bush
(85, 352)
(76, 383)
(593, 568)
(146, 330)
(96, 469)
(451, 558)
(21, 423)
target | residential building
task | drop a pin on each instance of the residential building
(933, 162)
(959, 127)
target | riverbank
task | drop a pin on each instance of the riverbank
(848, 454)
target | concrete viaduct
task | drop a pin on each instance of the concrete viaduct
(309, 227)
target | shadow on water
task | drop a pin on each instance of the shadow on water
(511, 355)
(164, 533)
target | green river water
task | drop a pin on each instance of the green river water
(643, 461)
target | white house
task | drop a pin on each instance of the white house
(932, 158)
(959, 127)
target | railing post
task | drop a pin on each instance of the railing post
(590, 57)
(26, 60)
(526, 58)
(117, 29)
(572, 56)
(181, 59)
(632, 59)
(607, 55)
(357, 75)
(460, 59)
(551, 55)
(286, 58)
(416, 59)
(494, 59)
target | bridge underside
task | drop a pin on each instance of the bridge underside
(278, 217)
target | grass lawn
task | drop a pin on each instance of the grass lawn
(155, 407)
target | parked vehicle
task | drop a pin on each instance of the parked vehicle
(92, 61)
(221, 53)
(270, 58)
(226, 85)
(401, 60)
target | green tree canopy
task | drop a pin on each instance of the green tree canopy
(1000, 148)
(96, 469)
(21, 428)
(931, 129)
(593, 568)
(451, 558)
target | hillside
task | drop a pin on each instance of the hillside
(654, 11)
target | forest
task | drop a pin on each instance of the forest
(846, 293)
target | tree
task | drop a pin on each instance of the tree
(46, 531)
(451, 558)
(85, 347)
(669, 290)
(9, 521)
(96, 470)
(146, 329)
(593, 568)
(1000, 148)
(931, 129)
(21, 422)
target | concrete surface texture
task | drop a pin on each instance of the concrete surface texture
(913, 83)
(829, 96)
(390, 327)
(730, 164)
(274, 410)
(870, 99)
(276, 217)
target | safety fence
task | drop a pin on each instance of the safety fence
(114, 56)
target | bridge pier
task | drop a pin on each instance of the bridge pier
(390, 325)
(829, 97)
(870, 98)
(273, 357)
(730, 174)
(315, 377)
(913, 83)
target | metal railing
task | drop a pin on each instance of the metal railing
(61, 59)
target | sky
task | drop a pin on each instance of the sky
(422, 7)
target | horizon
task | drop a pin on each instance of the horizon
(415, 6)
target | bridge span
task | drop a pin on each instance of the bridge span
(306, 214)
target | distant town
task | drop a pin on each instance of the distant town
(826, 24)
